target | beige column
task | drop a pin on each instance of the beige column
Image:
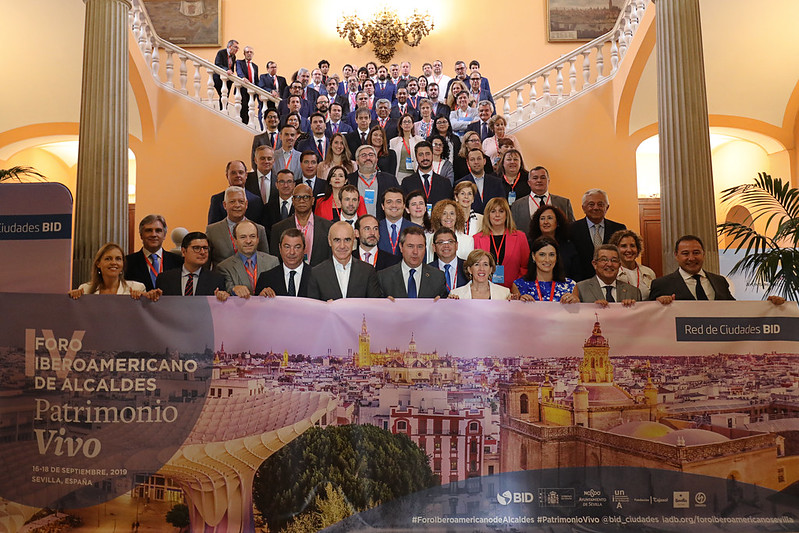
(101, 203)
(686, 176)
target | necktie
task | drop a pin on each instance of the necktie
(541, 199)
(189, 290)
(393, 234)
(309, 183)
(484, 131)
(292, 288)
(411, 284)
(597, 236)
(284, 211)
(363, 138)
(447, 276)
(264, 190)
(272, 139)
(426, 179)
(609, 293)
(319, 144)
(249, 71)
(367, 256)
(700, 291)
(154, 271)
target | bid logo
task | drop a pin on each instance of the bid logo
(508, 497)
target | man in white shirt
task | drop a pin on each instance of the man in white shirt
(261, 181)
(367, 231)
(524, 207)
(343, 276)
(441, 79)
(293, 276)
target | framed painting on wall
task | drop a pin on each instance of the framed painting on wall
(581, 20)
(186, 22)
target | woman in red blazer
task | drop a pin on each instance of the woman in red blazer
(500, 238)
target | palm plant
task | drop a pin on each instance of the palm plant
(771, 259)
(18, 173)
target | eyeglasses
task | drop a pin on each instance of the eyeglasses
(302, 196)
(199, 249)
(450, 241)
(614, 260)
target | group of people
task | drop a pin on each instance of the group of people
(380, 184)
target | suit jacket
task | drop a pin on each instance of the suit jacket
(581, 238)
(520, 210)
(268, 82)
(409, 110)
(275, 280)
(241, 71)
(496, 292)
(343, 101)
(389, 93)
(492, 188)
(362, 284)
(384, 243)
(441, 110)
(343, 128)
(383, 259)
(353, 139)
(461, 279)
(517, 253)
(675, 284)
(263, 139)
(305, 110)
(590, 291)
(433, 282)
(440, 188)
(292, 163)
(272, 214)
(222, 247)
(205, 285)
(310, 144)
(384, 181)
(232, 269)
(390, 128)
(221, 61)
(476, 127)
(321, 248)
(216, 210)
(254, 187)
(136, 268)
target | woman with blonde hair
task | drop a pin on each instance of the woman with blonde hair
(497, 125)
(464, 192)
(108, 278)
(479, 268)
(338, 155)
(630, 247)
(500, 237)
(448, 214)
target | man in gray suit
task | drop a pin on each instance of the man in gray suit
(522, 209)
(411, 278)
(287, 157)
(343, 276)
(604, 288)
(242, 269)
(220, 234)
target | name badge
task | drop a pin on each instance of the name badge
(429, 209)
(369, 196)
(511, 197)
(499, 275)
(408, 163)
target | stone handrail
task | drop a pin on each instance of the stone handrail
(533, 96)
(201, 89)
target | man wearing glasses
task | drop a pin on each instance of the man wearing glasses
(193, 278)
(313, 228)
(445, 244)
(604, 288)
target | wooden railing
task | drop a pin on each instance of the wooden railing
(589, 66)
(167, 62)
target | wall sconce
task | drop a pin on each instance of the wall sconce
(385, 31)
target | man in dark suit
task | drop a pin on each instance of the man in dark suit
(309, 161)
(307, 93)
(391, 227)
(241, 270)
(434, 186)
(402, 106)
(226, 60)
(384, 88)
(357, 137)
(477, 92)
(525, 206)
(295, 89)
(272, 83)
(343, 276)
(371, 183)
(488, 185)
(604, 288)
(145, 265)
(270, 137)
(317, 141)
(439, 109)
(336, 124)
(383, 119)
(262, 180)
(246, 69)
(690, 281)
(313, 227)
(293, 276)
(367, 231)
(445, 244)
(281, 205)
(411, 278)
(589, 232)
(484, 110)
(236, 175)
(192, 279)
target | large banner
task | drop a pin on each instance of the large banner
(297, 415)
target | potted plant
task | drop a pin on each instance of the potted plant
(771, 259)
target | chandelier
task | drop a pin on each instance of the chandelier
(385, 31)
